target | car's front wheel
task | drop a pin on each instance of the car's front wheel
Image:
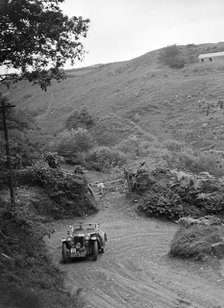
(102, 249)
(103, 243)
(65, 253)
(95, 250)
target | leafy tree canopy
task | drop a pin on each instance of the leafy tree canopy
(36, 39)
(80, 118)
(171, 56)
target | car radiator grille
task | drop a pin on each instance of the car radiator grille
(78, 239)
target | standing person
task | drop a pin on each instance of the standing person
(101, 187)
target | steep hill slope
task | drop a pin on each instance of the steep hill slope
(137, 97)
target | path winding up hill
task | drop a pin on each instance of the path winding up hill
(135, 270)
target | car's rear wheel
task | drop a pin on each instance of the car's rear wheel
(95, 250)
(65, 253)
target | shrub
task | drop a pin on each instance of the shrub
(19, 119)
(23, 150)
(210, 163)
(25, 140)
(69, 191)
(173, 145)
(172, 57)
(72, 143)
(196, 241)
(80, 119)
(203, 162)
(84, 141)
(130, 147)
(134, 147)
(105, 158)
(172, 194)
(186, 159)
(167, 206)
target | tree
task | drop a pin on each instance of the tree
(70, 142)
(36, 40)
(26, 142)
(171, 56)
(80, 119)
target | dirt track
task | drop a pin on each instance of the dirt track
(135, 270)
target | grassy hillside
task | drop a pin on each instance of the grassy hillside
(140, 97)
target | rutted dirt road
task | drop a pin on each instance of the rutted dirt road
(135, 270)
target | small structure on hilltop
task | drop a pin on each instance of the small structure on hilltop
(211, 56)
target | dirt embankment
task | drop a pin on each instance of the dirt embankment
(28, 279)
(136, 270)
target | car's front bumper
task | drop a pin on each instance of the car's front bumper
(76, 253)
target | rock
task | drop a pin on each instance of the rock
(218, 249)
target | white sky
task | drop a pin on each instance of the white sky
(124, 29)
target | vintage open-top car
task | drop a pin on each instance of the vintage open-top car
(83, 240)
